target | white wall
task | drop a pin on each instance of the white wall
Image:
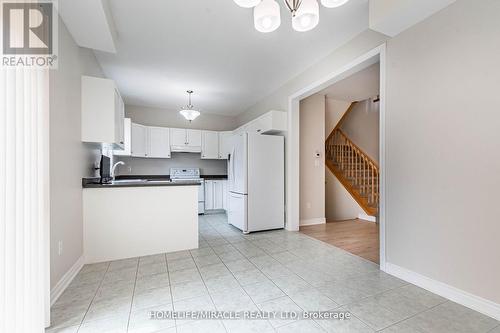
(443, 159)
(172, 118)
(312, 168)
(152, 166)
(70, 160)
(278, 100)
(361, 126)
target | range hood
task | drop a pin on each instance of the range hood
(185, 149)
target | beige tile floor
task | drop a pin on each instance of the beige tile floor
(268, 271)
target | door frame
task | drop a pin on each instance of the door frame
(378, 54)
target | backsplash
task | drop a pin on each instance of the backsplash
(151, 166)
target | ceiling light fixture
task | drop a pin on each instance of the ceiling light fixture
(305, 13)
(333, 3)
(188, 111)
(247, 3)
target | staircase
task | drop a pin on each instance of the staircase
(357, 172)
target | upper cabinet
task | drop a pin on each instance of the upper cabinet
(160, 142)
(272, 122)
(158, 139)
(185, 140)
(127, 134)
(139, 141)
(103, 113)
(151, 142)
(210, 145)
(225, 144)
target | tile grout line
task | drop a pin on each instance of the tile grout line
(170, 289)
(260, 272)
(93, 298)
(203, 280)
(133, 293)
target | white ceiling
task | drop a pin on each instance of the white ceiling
(357, 87)
(165, 47)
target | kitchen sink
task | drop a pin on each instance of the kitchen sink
(129, 181)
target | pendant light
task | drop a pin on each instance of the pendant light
(188, 111)
(307, 16)
(247, 3)
(266, 16)
(333, 3)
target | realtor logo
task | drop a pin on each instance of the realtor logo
(28, 33)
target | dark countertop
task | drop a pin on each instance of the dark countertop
(129, 182)
(166, 177)
(210, 177)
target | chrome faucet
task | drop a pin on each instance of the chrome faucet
(114, 168)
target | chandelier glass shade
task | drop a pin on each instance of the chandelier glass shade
(305, 13)
(188, 111)
(247, 3)
(307, 16)
(267, 16)
(333, 3)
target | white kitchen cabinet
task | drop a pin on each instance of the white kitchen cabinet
(225, 144)
(225, 194)
(158, 142)
(272, 122)
(178, 137)
(209, 145)
(103, 113)
(214, 194)
(185, 140)
(218, 194)
(139, 141)
(127, 134)
(209, 195)
(193, 138)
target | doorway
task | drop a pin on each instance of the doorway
(376, 235)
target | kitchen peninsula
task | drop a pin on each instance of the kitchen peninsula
(135, 217)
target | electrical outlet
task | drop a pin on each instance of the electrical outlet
(308, 205)
(60, 247)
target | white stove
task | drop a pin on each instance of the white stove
(179, 175)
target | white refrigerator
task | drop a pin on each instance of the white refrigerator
(256, 170)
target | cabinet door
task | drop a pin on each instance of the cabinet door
(119, 117)
(159, 142)
(224, 194)
(209, 194)
(225, 145)
(218, 194)
(138, 140)
(126, 151)
(210, 145)
(193, 138)
(178, 137)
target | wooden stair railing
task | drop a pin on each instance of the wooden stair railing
(357, 172)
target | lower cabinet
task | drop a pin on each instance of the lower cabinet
(215, 194)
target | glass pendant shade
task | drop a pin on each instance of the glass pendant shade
(267, 16)
(333, 3)
(247, 3)
(189, 114)
(307, 17)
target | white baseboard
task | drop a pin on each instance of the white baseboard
(319, 220)
(65, 280)
(456, 295)
(368, 218)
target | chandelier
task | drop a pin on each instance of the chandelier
(305, 13)
(188, 111)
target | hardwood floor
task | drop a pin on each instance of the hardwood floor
(355, 236)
